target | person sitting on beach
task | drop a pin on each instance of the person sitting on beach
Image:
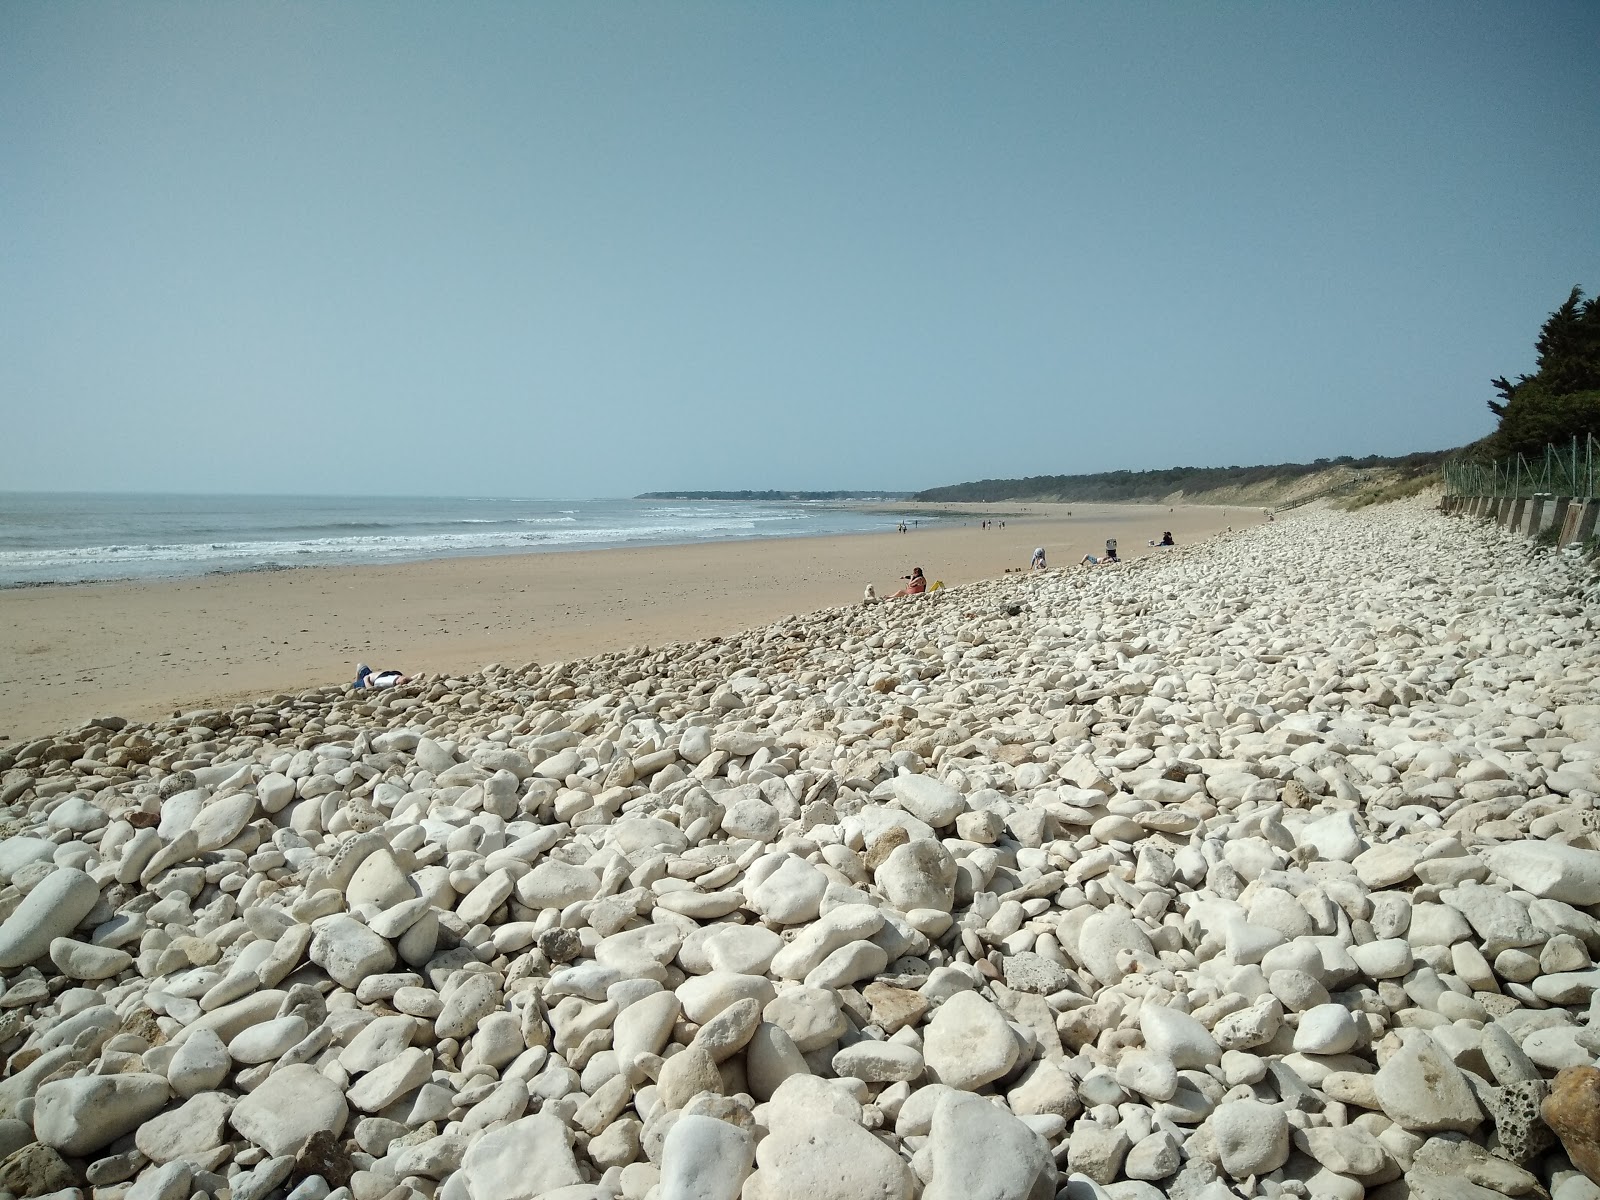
(366, 677)
(1038, 559)
(918, 584)
(1166, 540)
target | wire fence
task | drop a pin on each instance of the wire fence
(1571, 470)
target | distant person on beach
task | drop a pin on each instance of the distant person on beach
(366, 677)
(917, 585)
(1111, 549)
(1166, 540)
(1038, 559)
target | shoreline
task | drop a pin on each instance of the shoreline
(144, 648)
(945, 511)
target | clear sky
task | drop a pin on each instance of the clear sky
(592, 249)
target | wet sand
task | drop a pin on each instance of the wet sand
(146, 649)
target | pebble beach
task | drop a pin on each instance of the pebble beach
(1262, 867)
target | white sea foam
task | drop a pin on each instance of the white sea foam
(45, 540)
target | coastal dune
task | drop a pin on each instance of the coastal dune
(143, 649)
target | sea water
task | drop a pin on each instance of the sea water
(74, 537)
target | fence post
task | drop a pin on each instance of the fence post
(1586, 520)
(1558, 513)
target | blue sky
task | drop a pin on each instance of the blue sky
(593, 249)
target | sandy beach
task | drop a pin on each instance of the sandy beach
(144, 649)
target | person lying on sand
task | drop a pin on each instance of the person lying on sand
(1089, 560)
(918, 584)
(366, 677)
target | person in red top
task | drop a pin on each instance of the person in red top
(918, 584)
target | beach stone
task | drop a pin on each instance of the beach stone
(274, 792)
(879, 1062)
(378, 880)
(465, 1004)
(1346, 1150)
(740, 949)
(220, 821)
(810, 1094)
(556, 884)
(1422, 1090)
(289, 1106)
(348, 951)
(77, 815)
(968, 1043)
(479, 904)
(80, 960)
(930, 800)
(752, 818)
(379, 1041)
(847, 965)
(822, 1156)
(919, 874)
(978, 1149)
(81, 1115)
(1154, 1156)
(1326, 1029)
(1335, 837)
(267, 1041)
(1178, 1038)
(1549, 870)
(1387, 959)
(1147, 1074)
(788, 892)
(51, 910)
(531, 1157)
(645, 1025)
(686, 1075)
(811, 1016)
(1029, 972)
(188, 1131)
(1520, 1130)
(894, 1008)
(382, 1086)
(770, 1057)
(725, 1034)
(1252, 1138)
(704, 996)
(17, 852)
(1454, 1157)
(1387, 864)
(1106, 935)
(36, 1170)
(1044, 1088)
(703, 1158)
(1097, 1151)
(200, 1063)
(1572, 1111)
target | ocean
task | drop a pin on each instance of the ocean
(53, 537)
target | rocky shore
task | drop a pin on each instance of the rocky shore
(1266, 868)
